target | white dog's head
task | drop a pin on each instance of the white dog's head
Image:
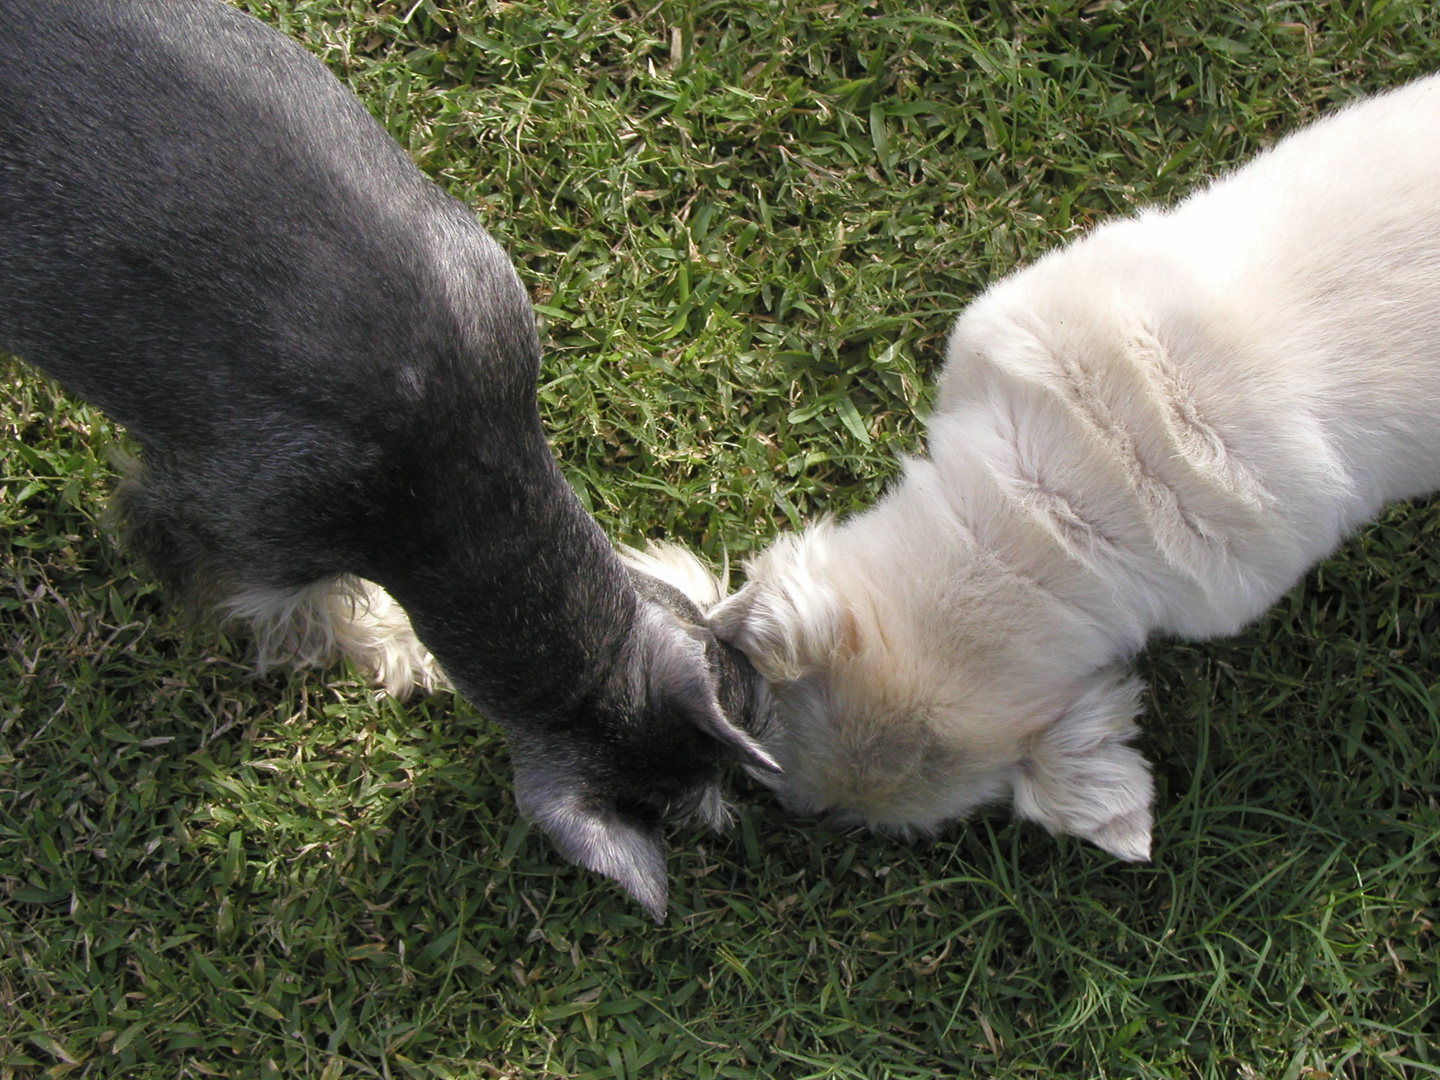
(914, 679)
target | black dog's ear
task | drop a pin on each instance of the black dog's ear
(711, 719)
(680, 677)
(597, 837)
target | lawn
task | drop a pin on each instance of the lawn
(746, 226)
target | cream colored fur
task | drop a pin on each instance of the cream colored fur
(675, 566)
(1157, 429)
(348, 617)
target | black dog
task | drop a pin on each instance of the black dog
(331, 369)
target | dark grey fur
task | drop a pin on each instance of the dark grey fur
(330, 368)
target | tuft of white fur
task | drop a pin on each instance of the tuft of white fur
(346, 616)
(678, 567)
(1157, 429)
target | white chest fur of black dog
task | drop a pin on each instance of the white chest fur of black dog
(330, 369)
(1156, 429)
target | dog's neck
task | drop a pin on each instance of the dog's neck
(527, 607)
(932, 554)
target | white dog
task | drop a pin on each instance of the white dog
(1157, 429)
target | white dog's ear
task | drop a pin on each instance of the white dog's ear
(1081, 778)
(742, 620)
(784, 629)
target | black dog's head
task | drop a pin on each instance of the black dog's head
(663, 723)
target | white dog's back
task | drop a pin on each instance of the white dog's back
(1250, 362)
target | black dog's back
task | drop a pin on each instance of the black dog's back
(197, 212)
(330, 368)
(222, 194)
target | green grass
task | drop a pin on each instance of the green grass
(747, 226)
